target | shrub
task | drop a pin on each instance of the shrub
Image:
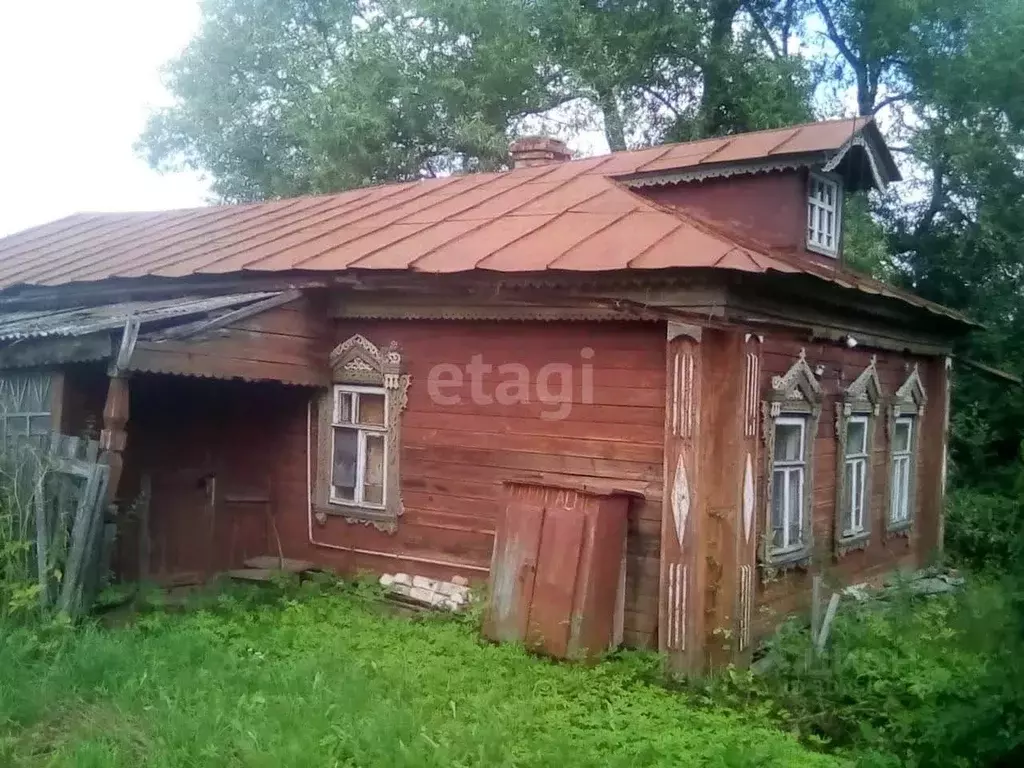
(936, 682)
(984, 530)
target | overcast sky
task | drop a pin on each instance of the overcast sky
(77, 80)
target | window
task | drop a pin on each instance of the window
(905, 415)
(823, 210)
(359, 436)
(855, 476)
(24, 407)
(788, 478)
(791, 410)
(856, 412)
(902, 467)
(359, 449)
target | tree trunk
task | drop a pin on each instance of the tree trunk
(716, 86)
(614, 126)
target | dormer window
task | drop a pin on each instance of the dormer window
(823, 210)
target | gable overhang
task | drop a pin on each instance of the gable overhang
(863, 161)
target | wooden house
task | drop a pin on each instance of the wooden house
(358, 379)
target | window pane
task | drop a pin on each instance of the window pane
(343, 408)
(856, 437)
(849, 483)
(796, 504)
(371, 409)
(17, 426)
(788, 438)
(901, 436)
(39, 425)
(346, 460)
(373, 489)
(778, 501)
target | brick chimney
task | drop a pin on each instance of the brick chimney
(538, 150)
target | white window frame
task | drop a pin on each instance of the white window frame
(787, 467)
(856, 504)
(362, 430)
(900, 495)
(819, 212)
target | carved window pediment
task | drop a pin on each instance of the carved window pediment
(910, 398)
(359, 435)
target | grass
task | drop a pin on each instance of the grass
(326, 679)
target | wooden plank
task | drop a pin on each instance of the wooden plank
(142, 510)
(551, 446)
(627, 431)
(287, 564)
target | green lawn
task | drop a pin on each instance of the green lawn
(325, 679)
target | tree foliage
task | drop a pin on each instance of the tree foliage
(284, 97)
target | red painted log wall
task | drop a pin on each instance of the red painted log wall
(791, 591)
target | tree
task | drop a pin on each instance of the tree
(276, 97)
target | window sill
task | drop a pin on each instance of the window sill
(781, 562)
(847, 544)
(901, 529)
(378, 517)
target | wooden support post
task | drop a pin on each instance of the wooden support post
(113, 436)
(721, 468)
(680, 615)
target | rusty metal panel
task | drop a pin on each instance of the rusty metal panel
(557, 568)
(551, 611)
(513, 569)
(596, 605)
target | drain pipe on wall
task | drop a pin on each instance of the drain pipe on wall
(355, 550)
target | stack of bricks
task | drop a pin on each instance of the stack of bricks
(451, 595)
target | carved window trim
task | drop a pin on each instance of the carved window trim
(797, 394)
(358, 365)
(861, 400)
(907, 403)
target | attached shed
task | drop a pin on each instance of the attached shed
(362, 380)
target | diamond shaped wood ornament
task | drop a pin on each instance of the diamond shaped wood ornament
(680, 500)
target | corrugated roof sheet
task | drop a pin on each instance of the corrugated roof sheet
(81, 321)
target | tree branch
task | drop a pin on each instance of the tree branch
(766, 33)
(887, 101)
(833, 33)
(663, 100)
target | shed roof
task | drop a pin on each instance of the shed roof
(85, 320)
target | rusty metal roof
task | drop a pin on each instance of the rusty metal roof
(575, 216)
(82, 321)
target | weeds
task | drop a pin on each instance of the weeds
(319, 676)
(920, 683)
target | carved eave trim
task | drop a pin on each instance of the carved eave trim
(858, 140)
(723, 170)
(371, 311)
